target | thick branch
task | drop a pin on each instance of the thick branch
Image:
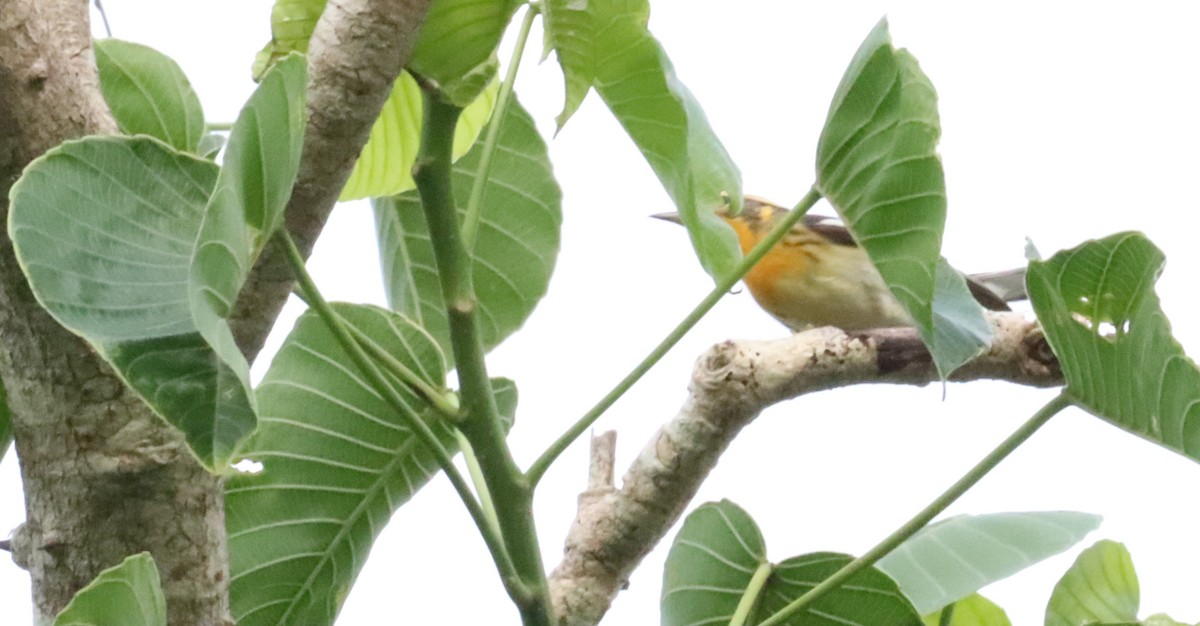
(732, 383)
(356, 53)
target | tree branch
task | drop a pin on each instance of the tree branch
(731, 384)
(357, 50)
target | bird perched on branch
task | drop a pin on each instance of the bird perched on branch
(818, 276)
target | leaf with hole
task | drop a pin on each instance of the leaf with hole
(1097, 307)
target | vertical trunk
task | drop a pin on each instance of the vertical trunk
(104, 477)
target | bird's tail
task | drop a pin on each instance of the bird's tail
(1002, 287)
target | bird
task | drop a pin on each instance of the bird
(817, 275)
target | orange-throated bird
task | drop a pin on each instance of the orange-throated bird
(818, 276)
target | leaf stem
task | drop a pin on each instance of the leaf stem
(481, 423)
(920, 520)
(479, 187)
(946, 617)
(543, 462)
(752, 594)
(440, 399)
(397, 403)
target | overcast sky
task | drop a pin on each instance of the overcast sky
(1060, 124)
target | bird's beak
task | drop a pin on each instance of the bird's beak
(668, 217)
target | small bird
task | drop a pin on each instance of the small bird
(818, 276)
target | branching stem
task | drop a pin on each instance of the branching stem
(480, 423)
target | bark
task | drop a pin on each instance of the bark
(732, 383)
(104, 477)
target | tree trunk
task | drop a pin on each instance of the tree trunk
(104, 477)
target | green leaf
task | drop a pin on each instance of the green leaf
(128, 594)
(710, 565)
(718, 558)
(877, 163)
(570, 31)
(149, 94)
(515, 247)
(973, 610)
(867, 599)
(1097, 306)
(606, 44)
(337, 462)
(141, 249)
(947, 561)
(385, 166)
(1100, 586)
(458, 36)
(115, 270)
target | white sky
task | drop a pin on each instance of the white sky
(1061, 123)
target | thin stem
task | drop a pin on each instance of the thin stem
(751, 595)
(543, 462)
(476, 474)
(935, 508)
(475, 202)
(441, 400)
(411, 419)
(103, 17)
(481, 423)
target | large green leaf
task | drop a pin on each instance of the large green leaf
(607, 45)
(515, 247)
(104, 228)
(128, 594)
(1101, 586)
(877, 163)
(149, 94)
(337, 462)
(710, 565)
(952, 559)
(973, 610)
(141, 249)
(716, 568)
(1097, 306)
